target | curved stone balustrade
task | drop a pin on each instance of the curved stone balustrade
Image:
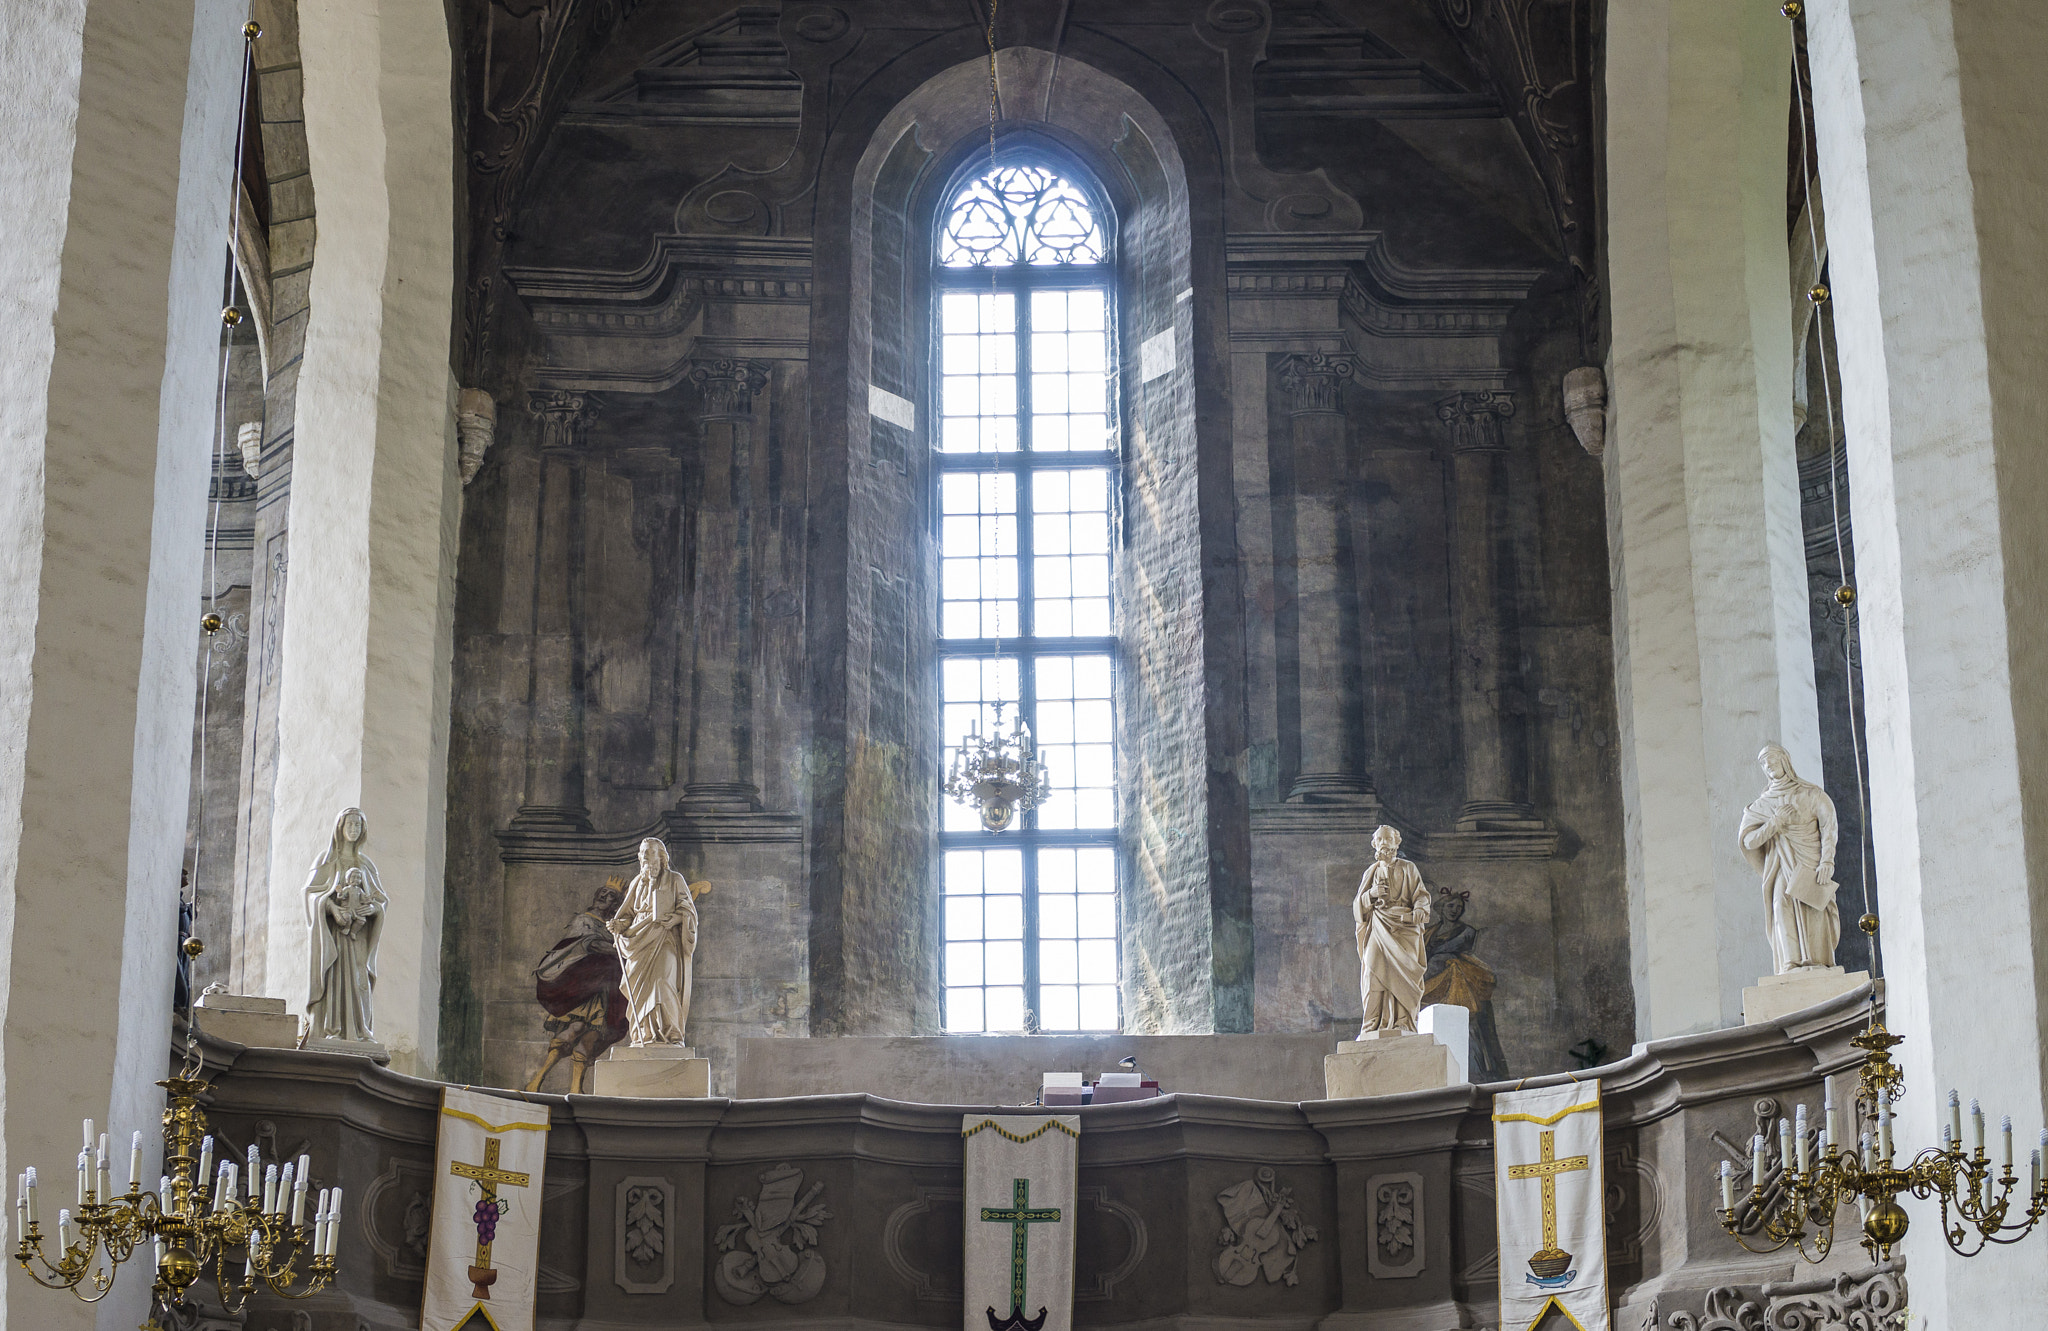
(638, 1190)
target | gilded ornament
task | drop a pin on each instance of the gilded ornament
(210, 621)
(1845, 596)
(193, 947)
(1792, 9)
(1818, 293)
(252, 30)
(230, 316)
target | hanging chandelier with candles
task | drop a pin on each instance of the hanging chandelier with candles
(998, 773)
(252, 1212)
(1811, 1174)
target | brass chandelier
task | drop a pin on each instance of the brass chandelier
(998, 773)
(252, 1207)
(1811, 1175)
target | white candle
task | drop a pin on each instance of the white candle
(270, 1189)
(255, 1173)
(220, 1185)
(163, 1194)
(334, 1222)
(1799, 1136)
(30, 1175)
(21, 1210)
(2006, 1128)
(82, 1158)
(1756, 1162)
(1977, 1125)
(63, 1229)
(1884, 1131)
(298, 1200)
(320, 1223)
(135, 1162)
(1727, 1185)
(1955, 1119)
(2034, 1183)
(1784, 1144)
(89, 1135)
(1827, 1117)
(1867, 1160)
(105, 1173)
(205, 1162)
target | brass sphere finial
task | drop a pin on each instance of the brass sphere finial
(251, 30)
(1887, 1224)
(1818, 293)
(210, 621)
(1791, 9)
(193, 947)
(1845, 596)
(230, 316)
(1868, 924)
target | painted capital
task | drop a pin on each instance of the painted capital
(564, 416)
(1475, 420)
(1314, 381)
(729, 385)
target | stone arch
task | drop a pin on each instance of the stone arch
(1187, 955)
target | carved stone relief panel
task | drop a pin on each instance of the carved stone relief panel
(1263, 1232)
(643, 1257)
(772, 1248)
(1393, 1222)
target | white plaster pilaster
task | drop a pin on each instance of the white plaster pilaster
(1934, 159)
(117, 122)
(1712, 648)
(368, 619)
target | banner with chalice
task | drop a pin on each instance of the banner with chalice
(1549, 1185)
(484, 1242)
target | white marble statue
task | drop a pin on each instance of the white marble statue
(656, 926)
(1788, 835)
(345, 914)
(1391, 912)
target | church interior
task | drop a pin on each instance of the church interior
(1316, 665)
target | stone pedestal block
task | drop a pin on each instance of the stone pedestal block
(1775, 996)
(260, 1023)
(652, 1072)
(369, 1049)
(1387, 1064)
(1450, 1026)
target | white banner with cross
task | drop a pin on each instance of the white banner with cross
(484, 1244)
(1022, 1174)
(1549, 1185)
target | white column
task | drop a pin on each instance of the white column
(117, 124)
(1934, 159)
(1713, 655)
(368, 622)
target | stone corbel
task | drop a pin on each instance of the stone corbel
(1585, 407)
(476, 424)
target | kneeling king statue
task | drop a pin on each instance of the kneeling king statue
(1391, 913)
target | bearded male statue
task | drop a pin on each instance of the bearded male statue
(1390, 913)
(1788, 835)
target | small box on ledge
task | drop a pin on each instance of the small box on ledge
(1114, 1088)
(1063, 1090)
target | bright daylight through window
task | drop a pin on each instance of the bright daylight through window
(1027, 444)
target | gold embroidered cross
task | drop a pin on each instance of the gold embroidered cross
(489, 1178)
(1547, 1168)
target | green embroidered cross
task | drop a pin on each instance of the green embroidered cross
(1019, 1217)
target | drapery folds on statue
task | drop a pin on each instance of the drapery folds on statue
(1389, 913)
(1788, 835)
(656, 928)
(579, 985)
(345, 916)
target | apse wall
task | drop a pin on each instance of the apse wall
(1365, 575)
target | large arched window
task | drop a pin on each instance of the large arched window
(1026, 457)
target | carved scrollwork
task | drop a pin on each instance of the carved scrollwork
(1872, 1299)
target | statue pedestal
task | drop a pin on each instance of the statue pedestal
(1775, 996)
(1388, 1063)
(369, 1049)
(651, 1072)
(259, 1023)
